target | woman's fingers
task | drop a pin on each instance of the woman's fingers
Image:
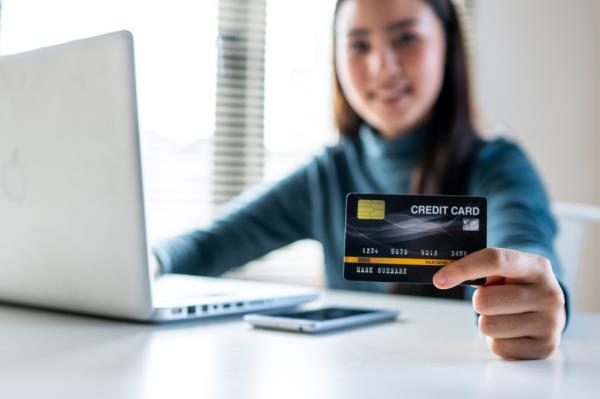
(489, 262)
(542, 325)
(513, 298)
(521, 305)
(523, 348)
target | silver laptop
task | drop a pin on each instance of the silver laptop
(72, 227)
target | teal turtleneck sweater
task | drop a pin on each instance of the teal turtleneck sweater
(310, 203)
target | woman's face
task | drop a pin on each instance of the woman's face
(390, 58)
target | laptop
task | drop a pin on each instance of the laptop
(72, 224)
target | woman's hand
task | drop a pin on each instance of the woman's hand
(522, 306)
(154, 267)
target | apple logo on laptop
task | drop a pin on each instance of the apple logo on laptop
(14, 183)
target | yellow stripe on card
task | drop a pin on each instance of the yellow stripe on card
(397, 261)
(371, 209)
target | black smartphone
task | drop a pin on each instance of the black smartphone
(322, 319)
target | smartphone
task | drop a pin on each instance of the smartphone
(318, 320)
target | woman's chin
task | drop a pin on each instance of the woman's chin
(396, 128)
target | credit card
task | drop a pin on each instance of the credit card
(408, 238)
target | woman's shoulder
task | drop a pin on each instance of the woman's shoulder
(503, 162)
(500, 148)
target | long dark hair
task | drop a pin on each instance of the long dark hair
(452, 142)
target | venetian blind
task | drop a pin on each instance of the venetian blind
(238, 145)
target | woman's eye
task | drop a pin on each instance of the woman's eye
(405, 39)
(359, 47)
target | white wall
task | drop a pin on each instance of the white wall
(538, 73)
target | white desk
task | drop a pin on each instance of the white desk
(434, 350)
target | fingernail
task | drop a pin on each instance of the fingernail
(441, 278)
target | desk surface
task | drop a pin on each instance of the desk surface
(433, 350)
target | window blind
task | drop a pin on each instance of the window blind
(238, 143)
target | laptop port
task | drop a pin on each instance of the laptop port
(239, 304)
(205, 308)
(191, 309)
(226, 306)
(176, 310)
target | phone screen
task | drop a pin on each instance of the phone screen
(324, 314)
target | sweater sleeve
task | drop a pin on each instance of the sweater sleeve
(519, 214)
(253, 225)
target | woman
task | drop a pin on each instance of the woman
(403, 110)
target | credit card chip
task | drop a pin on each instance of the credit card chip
(371, 209)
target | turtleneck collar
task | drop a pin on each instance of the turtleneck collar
(407, 147)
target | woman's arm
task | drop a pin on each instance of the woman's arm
(253, 226)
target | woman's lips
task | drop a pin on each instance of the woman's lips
(391, 97)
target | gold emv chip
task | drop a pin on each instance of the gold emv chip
(371, 209)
